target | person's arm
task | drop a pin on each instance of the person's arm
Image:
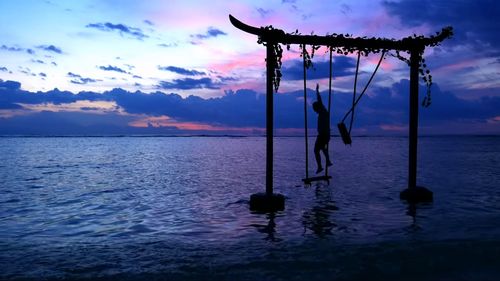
(318, 96)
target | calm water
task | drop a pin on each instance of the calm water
(177, 208)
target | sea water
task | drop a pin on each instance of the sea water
(177, 208)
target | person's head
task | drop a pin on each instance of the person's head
(316, 106)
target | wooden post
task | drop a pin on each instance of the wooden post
(414, 193)
(269, 201)
(270, 64)
(413, 128)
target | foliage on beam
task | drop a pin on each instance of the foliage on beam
(363, 45)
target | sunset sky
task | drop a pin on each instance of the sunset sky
(180, 67)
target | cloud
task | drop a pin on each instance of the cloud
(38, 61)
(345, 9)
(26, 70)
(148, 22)
(78, 79)
(135, 32)
(180, 70)
(383, 108)
(50, 48)
(17, 49)
(170, 45)
(262, 12)
(67, 123)
(112, 68)
(2, 68)
(473, 21)
(189, 84)
(41, 74)
(211, 32)
(9, 85)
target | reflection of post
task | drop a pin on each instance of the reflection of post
(270, 64)
(271, 228)
(412, 211)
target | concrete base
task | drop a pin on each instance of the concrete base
(262, 202)
(416, 194)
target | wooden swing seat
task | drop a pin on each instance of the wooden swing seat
(318, 178)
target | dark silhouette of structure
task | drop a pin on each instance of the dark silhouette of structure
(272, 38)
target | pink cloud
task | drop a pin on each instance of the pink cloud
(394, 128)
(243, 61)
(494, 120)
(459, 65)
(166, 121)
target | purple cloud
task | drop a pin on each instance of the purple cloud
(385, 106)
(78, 79)
(50, 48)
(211, 32)
(180, 70)
(135, 32)
(112, 68)
(17, 49)
(189, 84)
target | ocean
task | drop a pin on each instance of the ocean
(176, 208)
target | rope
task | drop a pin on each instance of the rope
(330, 84)
(366, 87)
(305, 109)
(329, 102)
(354, 93)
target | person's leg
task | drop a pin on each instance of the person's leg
(317, 149)
(325, 152)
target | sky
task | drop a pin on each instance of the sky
(179, 67)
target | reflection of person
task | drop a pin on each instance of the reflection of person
(319, 218)
(323, 132)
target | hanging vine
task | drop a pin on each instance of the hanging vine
(424, 72)
(276, 58)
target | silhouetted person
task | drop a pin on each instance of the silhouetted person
(323, 131)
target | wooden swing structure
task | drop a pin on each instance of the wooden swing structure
(272, 38)
(344, 132)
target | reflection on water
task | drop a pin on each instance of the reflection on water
(73, 207)
(269, 229)
(319, 218)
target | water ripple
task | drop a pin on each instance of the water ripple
(72, 205)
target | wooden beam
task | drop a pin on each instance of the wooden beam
(279, 36)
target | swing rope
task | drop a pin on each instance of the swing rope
(305, 108)
(354, 92)
(329, 100)
(326, 177)
(364, 90)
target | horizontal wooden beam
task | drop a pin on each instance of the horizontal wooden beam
(279, 36)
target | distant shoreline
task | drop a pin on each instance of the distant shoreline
(231, 136)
